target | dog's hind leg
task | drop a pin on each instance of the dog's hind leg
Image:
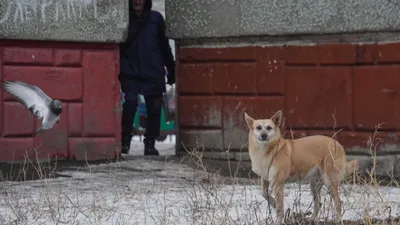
(316, 185)
(338, 203)
(333, 188)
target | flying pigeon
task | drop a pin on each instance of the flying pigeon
(36, 101)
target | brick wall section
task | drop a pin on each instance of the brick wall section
(84, 78)
(320, 88)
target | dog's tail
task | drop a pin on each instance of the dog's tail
(351, 167)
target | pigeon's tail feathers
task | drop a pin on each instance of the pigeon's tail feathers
(39, 130)
(49, 121)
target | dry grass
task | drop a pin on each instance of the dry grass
(147, 191)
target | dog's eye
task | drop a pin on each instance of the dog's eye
(269, 128)
(258, 127)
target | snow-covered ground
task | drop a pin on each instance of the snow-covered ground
(145, 191)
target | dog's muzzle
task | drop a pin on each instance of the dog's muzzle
(263, 137)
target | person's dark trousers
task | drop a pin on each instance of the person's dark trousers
(129, 108)
(128, 115)
(153, 108)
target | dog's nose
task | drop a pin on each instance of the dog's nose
(263, 136)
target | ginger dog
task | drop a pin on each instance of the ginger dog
(318, 159)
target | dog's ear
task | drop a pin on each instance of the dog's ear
(277, 118)
(249, 121)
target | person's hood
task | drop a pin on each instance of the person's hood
(148, 4)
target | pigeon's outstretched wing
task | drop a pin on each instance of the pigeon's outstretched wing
(32, 97)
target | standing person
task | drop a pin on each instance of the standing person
(142, 59)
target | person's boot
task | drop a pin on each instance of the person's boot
(149, 147)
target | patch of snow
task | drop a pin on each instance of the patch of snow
(155, 192)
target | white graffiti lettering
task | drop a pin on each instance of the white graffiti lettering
(45, 11)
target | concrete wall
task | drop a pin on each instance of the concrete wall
(69, 20)
(326, 64)
(209, 19)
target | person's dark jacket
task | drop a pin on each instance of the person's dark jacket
(145, 53)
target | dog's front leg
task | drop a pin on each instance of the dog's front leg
(265, 193)
(278, 193)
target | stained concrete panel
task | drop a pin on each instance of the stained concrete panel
(230, 18)
(67, 20)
